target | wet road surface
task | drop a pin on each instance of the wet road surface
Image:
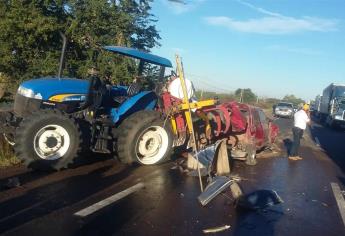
(45, 203)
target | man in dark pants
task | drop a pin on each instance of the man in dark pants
(301, 119)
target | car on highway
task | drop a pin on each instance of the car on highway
(284, 109)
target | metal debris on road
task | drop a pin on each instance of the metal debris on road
(216, 229)
(215, 187)
(317, 142)
(12, 183)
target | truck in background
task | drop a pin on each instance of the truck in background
(315, 107)
(332, 105)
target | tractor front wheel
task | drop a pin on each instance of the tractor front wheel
(47, 140)
(144, 139)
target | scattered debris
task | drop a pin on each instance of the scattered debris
(215, 187)
(194, 173)
(12, 183)
(236, 190)
(259, 199)
(180, 165)
(174, 167)
(216, 229)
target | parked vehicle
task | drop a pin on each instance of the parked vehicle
(284, 109)
(332, 105)
(315, 107)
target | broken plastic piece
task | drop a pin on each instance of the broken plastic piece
(12, 183)
(216, 229)
(236, 191)
(221, 162)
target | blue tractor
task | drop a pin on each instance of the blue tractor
(55, 119)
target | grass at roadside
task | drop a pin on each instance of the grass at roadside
(7, 157)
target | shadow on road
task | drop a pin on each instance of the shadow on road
(261, 222)
(26, 175)
(332, 142)
(42, 200)
(287, 144)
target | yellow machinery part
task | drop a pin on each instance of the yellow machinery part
(197, 105)
(61, 97)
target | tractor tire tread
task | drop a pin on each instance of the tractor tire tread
(22, 134)
(126, 127)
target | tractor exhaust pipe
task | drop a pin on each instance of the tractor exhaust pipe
(62, 58)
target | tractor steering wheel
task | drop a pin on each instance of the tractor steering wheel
(95, 93)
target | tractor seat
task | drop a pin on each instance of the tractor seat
(132, 90)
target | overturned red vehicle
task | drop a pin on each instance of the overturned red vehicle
(245, 127)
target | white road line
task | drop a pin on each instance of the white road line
(340, 200)
(101, 204)
(317, 141)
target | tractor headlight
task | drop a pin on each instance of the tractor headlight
(28, 93)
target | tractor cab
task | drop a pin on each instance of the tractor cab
(151, 69)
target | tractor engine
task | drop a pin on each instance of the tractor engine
(62, 94)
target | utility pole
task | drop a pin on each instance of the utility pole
(257, 99)
(241, 98)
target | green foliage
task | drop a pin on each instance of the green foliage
(223, 97)
(267, 103)
(7, 157)
(291, 98)
(30, 41)
(247, 95)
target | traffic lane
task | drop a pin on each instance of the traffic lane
(285, 125)
(308, 202)
(39, 197)
(159, 182)
(331, 140)
(169, 204)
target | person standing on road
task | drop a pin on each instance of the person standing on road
(301, 119)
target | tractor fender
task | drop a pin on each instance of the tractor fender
(146, 100)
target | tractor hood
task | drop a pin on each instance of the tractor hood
(50, 87)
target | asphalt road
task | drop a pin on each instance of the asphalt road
(46, 203)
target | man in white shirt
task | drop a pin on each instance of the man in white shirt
(175, 89)
(301, 119)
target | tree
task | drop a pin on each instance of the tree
(30, 42)
(247, 95)
(291, 98)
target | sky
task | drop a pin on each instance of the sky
(273, 47)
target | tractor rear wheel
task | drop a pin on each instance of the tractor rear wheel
(47, 140)
(144, 139)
